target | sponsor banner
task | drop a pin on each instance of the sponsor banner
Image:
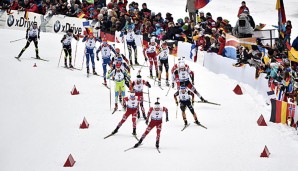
(60, 24)
(3, 16)
(16, 20)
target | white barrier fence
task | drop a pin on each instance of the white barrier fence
(222, 65)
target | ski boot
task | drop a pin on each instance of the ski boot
(157, 144)
(159, 83)
(88, 71)
(136, 62)
(116, 107)
(197, 122)
(65, 63)
(70, 65)
(22, 51)
(37, 56)
(105, 81)
(116, 130)
(138, 144)
(94, 72)
(167, 83)
(134, 131)
(151, 76)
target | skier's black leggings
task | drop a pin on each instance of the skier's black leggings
(67, 51)
(184, 104)
(30, 39)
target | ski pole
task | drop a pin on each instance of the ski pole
(83, 59)
(176, 111)
(110, 95)
(60, 57)
(16, 40)
(149, 99)
(74, 63)
(168, 90)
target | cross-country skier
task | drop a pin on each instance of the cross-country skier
(89, 50)
(131, 44)
(150, 52)
(137, 87)
(156, 113)
(131, 104)
(32, 34)
(105, 49)
(118, 75)
(163, 61)
(66, 42)
(184, 99)
(123, 67)
(118, 54)
(119, 59)
(182, 75)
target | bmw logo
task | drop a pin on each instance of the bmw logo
(10, 20)
(57, 26)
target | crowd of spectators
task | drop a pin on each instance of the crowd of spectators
(207, 32)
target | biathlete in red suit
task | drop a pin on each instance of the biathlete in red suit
(156, 113)
(137, 87)
(132, 106)
(150, 52)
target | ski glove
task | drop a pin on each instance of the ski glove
(167, 119)
(97, 58)
(185, 9)
(146, 59)
(192, 102)
(177, 103)
(149, 85)
(203, 100)
(172, 85)
(146, 122)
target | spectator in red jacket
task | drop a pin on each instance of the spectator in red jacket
(33, 8)
(242, 8)
(14, 5)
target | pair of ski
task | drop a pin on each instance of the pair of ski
(33, 58)
(137, 147)
(88, 75)
(208, 102)
(70, 68)
(111, 134)
(185, 126)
